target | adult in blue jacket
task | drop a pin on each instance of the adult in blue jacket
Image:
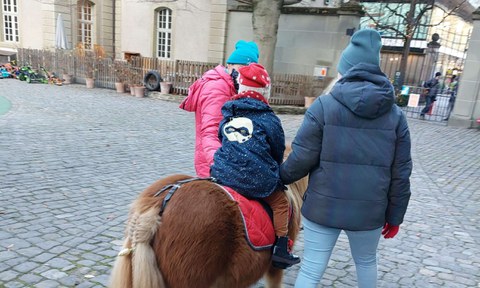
(432, 87)
(355, 145)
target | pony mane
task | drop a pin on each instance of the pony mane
(295, 193)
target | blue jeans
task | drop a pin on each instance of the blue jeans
(319, 243)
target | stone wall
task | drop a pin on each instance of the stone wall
(307, 37)
(467, 104)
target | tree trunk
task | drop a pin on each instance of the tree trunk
(404, 61)
(265, 17)
(410, 30)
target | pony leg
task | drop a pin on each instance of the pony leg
(273, 277)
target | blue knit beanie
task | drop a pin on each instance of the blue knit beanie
(364, 47)
(245, 53)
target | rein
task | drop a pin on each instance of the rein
(174, 187)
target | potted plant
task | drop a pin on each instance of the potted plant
(136, 83)
(121, 75)
(66, 64)
(166, 85)
(67, 74)
(306, 89)
(139, 90)
(89, 64)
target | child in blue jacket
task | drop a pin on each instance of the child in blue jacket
(253, 143)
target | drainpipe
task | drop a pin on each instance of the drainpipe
(113, 28)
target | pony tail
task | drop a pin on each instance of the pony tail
(121, 276)
(145, 272)
(136, 265)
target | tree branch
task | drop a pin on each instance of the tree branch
(378, 22)
(285, 2)
(394, 11)
(416, 20)
(449, 13)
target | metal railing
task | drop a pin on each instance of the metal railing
(287, 89)
(439, 111)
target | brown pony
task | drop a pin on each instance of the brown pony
(198, 241)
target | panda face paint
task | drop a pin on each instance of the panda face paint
(238, 129)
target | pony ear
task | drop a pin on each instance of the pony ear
(288, 150)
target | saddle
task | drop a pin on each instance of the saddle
(257, 221)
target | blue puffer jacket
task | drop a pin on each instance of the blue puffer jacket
(355, 144)
(252, 148)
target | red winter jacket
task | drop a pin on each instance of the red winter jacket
(206, 97)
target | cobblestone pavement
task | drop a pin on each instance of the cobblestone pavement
(72, 159)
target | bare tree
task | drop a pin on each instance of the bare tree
(408, 23)
(265, 17)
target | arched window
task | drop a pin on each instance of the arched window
(85, 22)
(164, 33)
(10, 20)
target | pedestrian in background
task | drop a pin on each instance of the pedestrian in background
(431, 86)
(355, 145)
(452, 88)
(253, 143)
(206, 97)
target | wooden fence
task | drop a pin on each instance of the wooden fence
(287, 89)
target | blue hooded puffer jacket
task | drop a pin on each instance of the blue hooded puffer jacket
(253, 143)
(355, 144)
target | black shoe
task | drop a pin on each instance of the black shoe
(422, 117)
(281, 258)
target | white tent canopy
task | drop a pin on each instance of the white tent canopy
(60, 36)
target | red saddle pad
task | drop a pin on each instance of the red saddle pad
(258, 225)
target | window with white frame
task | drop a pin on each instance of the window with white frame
(85, 24)
(10, 20)
(164, 33)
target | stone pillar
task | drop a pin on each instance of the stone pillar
(430, 60)
(467, 104)
(218, 28)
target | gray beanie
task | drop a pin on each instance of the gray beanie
(364, 47)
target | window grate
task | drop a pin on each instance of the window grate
(10, 20)
(164, 33)
(85, 24)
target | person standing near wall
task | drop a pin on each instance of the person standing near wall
(431, 86)
(354, 143)
(206, 97)
(452, 88)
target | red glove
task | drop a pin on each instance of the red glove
(389, 231)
